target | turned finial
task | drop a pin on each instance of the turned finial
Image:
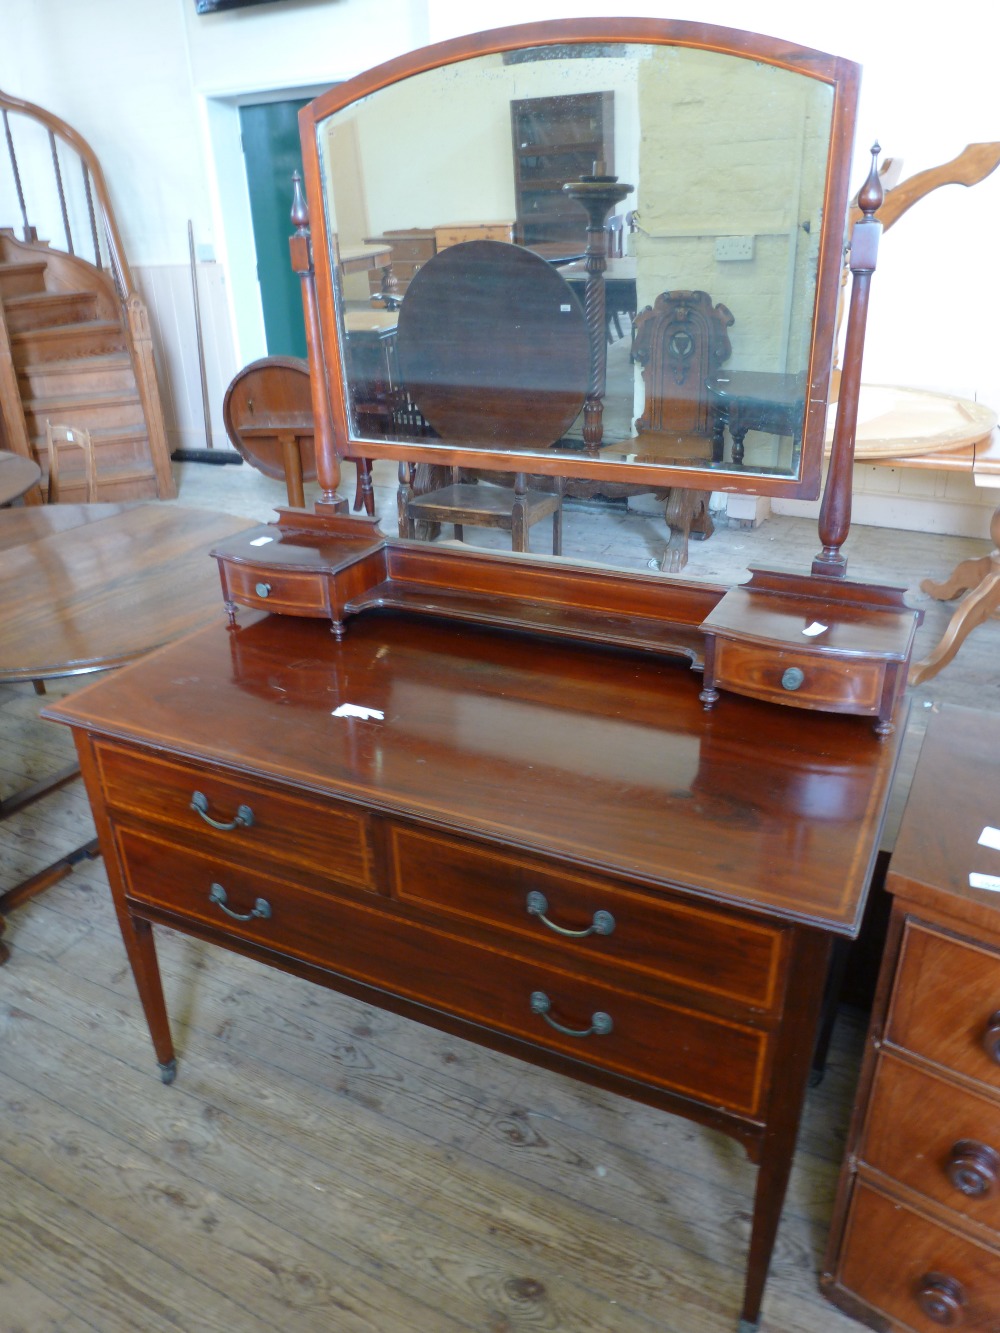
(300, 209)
(871, 194)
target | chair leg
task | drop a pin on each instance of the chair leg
(364, 493)
(518, 515)
(557, 532)
(459, 532)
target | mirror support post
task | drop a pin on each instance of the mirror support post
(835, 513)
(598, 194)
(300, 248)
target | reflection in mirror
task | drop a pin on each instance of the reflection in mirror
(458, 255)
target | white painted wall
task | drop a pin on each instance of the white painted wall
(155, 88)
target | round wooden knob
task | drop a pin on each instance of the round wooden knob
(942, 1299)
(974, 1169)
(991, 1037)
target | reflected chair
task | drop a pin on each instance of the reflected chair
(73, 438)
(268, 415)
(480, 504)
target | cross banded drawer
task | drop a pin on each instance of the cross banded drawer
(697, 1055)
(799, 678)
(294, 592)
(590, 918)
(323, 839)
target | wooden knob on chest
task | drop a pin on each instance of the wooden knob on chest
(991, 1037)
(973, 1168)
(942, 1299)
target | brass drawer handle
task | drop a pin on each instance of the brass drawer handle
(793, 678)
(199, 804)
(600, 1023)
(602, 924)
(942, 1299)
(261, 908)
(973, 1168)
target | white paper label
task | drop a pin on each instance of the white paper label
(815, 628)
(990, 837)
(977, 881)
(261, 541)
(356, 710)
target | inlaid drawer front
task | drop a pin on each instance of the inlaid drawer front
(946, 1003)
(295, 592)
(916, 1272)
(240, 817)
(936, 1138)
(715, 1061)
(590, 918)
(798, 678)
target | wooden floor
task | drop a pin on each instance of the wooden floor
(319, 1165)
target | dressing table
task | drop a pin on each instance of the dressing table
(519, 799)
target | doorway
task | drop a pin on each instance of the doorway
(269, 133)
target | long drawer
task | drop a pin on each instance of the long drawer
(946, 1003)
(716, 1061)
(285, 830)
(935, 1138)
(923, 1275)
(714, 953)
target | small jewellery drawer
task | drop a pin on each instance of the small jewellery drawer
(800, 678)
(292, 591)
(719, 1062)
(591, 919)
(238, 817)
(946, 1003)
(936, 1138)
(916, 1272)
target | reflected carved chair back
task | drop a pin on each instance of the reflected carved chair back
(681, 342)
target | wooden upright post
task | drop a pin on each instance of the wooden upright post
(835, 513)
(327, 454)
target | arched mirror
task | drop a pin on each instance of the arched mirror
(606, 249)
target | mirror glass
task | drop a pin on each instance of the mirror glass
(456, 205)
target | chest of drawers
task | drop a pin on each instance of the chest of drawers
(499, 852)
(915, 1243)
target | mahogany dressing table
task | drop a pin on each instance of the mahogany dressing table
(610, 823)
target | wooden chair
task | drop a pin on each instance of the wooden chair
(58, 438)
(480, 504)
(268, 415)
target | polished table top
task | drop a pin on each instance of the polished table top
(87, 587)
(17, 475)
(605, 759)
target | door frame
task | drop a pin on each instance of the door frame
(230, 202)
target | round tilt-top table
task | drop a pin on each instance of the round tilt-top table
(91, 587)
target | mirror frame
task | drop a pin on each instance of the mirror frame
(334, 437)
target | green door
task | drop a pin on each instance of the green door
(270, 133)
